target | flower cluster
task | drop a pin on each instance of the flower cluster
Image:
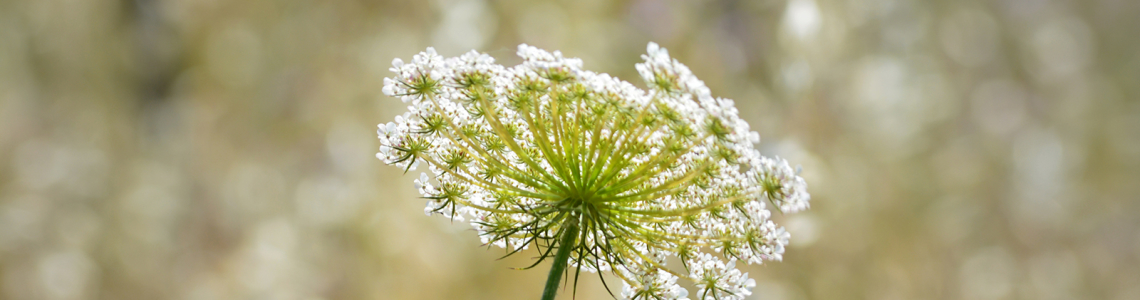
(549, 155)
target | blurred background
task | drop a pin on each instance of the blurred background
(213, 149)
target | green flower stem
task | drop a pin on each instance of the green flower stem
(565, 246)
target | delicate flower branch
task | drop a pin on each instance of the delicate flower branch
(595, 173)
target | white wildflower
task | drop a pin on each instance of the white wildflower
(591, 170)
(720, 281)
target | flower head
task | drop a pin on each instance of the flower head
(549, 155)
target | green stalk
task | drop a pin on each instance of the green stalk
(565, 246)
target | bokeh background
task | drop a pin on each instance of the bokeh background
(215, 149)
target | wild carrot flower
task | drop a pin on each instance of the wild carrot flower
(595, 173)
